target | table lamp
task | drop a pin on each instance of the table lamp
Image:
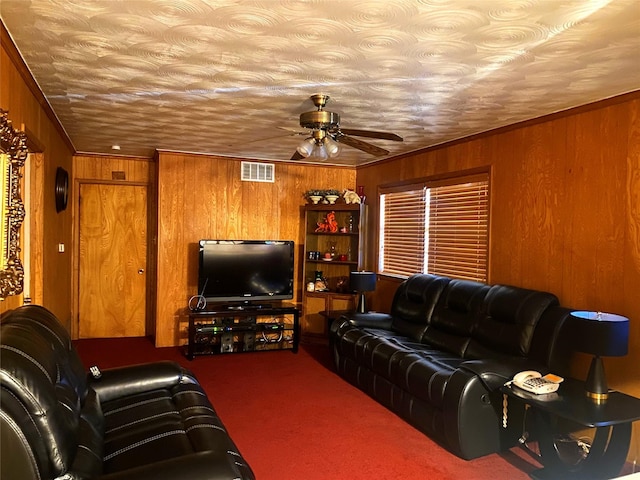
(602, 335)
(362, 282)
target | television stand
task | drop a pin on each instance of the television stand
(248, 306)
(246, 329)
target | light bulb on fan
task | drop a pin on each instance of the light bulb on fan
(332, 147)
(306, 147)
(319, 152)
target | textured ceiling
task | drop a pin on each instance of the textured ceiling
(221, 76)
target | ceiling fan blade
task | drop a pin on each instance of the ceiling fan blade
(360, 145)
(371, 134)
(296, 156)
(264, 139)
(293, 132)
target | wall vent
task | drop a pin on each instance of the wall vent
(257, 172)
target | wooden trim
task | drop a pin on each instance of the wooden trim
(82, 181)
(34, 145)
(433, 180)
(252, 159)
(113, 155)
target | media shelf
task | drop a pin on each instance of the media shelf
(226, 329)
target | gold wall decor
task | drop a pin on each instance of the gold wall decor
(13, 153)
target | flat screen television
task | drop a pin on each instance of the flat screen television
(245, 272)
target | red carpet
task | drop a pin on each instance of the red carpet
(293, 418)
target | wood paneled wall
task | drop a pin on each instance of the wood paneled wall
(565, 214)
(203, 197)
(50, 270)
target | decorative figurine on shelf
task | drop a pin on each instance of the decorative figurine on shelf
(331, 196)
(329, 224)
(332, 251)
(351, 197)
(320, 283)
(313, 196)
(343, 285)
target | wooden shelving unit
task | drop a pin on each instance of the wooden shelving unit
(347, 241)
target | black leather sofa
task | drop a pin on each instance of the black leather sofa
(440, 356)
(150, 421)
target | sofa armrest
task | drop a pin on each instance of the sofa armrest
(472, 406)
(130, 380)
(370, 320)
(198, 466)
(494, 373)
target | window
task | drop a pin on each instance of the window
(438, 227)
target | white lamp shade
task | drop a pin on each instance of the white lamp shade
(333, 148)
(306, 147)
(319, 152)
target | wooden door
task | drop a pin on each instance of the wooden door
(113, 260)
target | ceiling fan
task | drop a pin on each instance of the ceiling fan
(326, 134)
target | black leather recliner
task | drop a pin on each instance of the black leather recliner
(439, 357)
(150, 421)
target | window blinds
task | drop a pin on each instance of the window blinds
(458, 230)
(403, 228)
(439, 228)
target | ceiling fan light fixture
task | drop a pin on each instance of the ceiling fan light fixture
(306, 147)
(326, 136)
(319, 146)
(319, 152)
(333, 147)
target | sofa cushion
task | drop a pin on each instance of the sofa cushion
(423, 372)
(370, 347)
(455, 316)
(88, 459)
(156, 412)
(413, 304)
(77, 447)
(507, 322)
(419, 369)
(153, 426)
(41, 321)
(29, 373)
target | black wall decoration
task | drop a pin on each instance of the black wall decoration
(62, 189)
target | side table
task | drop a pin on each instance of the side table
(611, 420)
